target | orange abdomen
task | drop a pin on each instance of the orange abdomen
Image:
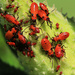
(46, 45)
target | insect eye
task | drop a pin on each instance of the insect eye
(42, 16)
(47, 19)
(45, 10)
(21, 33)
(34, 20)
(59, 45)
(32, 14)
(36, 14)
(13, 33)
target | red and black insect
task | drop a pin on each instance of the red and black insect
(2, 14)
(11, 43)
(28, 43)
(57, 25)
(56, 38)
(10, 33)
(32, 33)
(26, 21)
(10, 19)
(31, 0)
(15, 10)
(30, 53)
(31, 44)
(60, 73)
(61, 36)
(57, 68)
(34, 11)
(10, 6)
(46, 45)
(43, 7)
(12, 0)
(44, 16)
(58, 52)
(21, 37)
(34, 29)
(23, 52)
(21, 21)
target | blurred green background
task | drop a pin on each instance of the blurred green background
(8, 57)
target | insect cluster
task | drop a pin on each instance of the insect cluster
(14, 35)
